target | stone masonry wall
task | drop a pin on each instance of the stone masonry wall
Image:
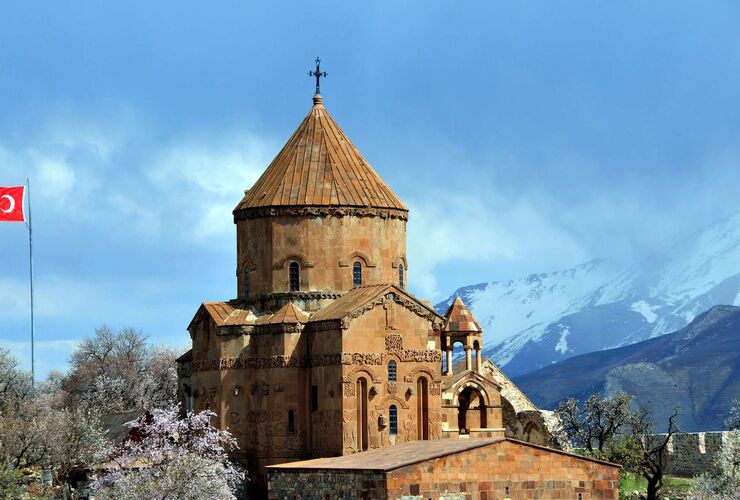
(692, 453)
(501, 470)
(325, 249)
(340, 485)
(486, 473)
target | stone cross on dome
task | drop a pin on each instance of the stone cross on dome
(318, 74)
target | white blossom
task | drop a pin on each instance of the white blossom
(166, 457)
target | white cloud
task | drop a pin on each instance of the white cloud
(477, 227)
(54, 178)
(105, 172)
(205, 180)
(215, 168)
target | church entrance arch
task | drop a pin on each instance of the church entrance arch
(471, 411)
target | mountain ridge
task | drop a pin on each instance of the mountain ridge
(696, 367)
(548, 317)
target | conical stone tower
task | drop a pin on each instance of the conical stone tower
(317, 222)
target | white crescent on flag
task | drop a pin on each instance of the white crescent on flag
(11, 202)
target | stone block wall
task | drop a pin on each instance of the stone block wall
(693, 453)
(325, 248)
(340, 485)
(505, 469)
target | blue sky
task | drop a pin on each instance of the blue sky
(525, 137)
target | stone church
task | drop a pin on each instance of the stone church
(324, 352)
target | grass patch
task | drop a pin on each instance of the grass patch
(630, 483)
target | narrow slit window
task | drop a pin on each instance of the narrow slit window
(295, 277)
(393, 420)
(391, 371)
(357, 274)
(400, 276)
(246, 282)
(314, 398)
(291, 422)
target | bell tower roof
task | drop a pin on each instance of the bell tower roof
(319, 166)
(459, 319)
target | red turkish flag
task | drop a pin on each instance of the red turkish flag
(11, 204)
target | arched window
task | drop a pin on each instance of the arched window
(393, 420)
(400, 276)
(391, 371)
(246, 282)
(356, 274)
(291, 422)
(294, 273)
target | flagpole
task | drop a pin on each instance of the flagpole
(29, 225)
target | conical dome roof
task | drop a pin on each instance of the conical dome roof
(319, 166)
(459, 319)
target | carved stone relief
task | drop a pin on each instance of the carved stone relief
(351, 375)
(350, 430)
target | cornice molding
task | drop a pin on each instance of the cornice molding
(319, 211)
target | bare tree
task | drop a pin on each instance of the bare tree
(593, 425)
(119, 371)
(15, 384)
(652, 460)
(36, 434)
(610, 430)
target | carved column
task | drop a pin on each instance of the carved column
(449, 361)
(468, 358)
(478, 367)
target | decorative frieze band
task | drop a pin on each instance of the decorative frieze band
(259, 212)
(333, 359)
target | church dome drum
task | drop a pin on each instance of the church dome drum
(318, 222)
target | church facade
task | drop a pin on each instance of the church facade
(324, 352)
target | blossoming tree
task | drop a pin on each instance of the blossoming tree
(166, 457)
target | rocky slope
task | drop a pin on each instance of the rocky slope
(697, 368)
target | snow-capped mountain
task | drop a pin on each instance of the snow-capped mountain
(696, 368)
(545, 318)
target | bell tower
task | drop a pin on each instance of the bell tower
(460, 326)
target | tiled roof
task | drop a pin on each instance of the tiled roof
(385, 459)
(288, 314)
(319, 166)
(459, 319)
(114, 424)
(224, 314)
(358, 297)
(413, 452)
(188, 356)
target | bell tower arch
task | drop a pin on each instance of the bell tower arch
(461, 326)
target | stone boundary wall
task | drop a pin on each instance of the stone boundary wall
(318, 485)
(692, 453)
